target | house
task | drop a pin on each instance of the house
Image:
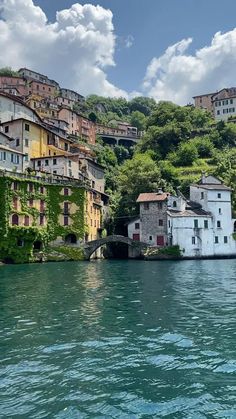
(33, 75)
(11, 160)
(78, 125)
(224, 104)
(35, 140)
(201, 226)
(204, 101)
(153, 217)
(11, 107)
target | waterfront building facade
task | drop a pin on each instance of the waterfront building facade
(201, 226)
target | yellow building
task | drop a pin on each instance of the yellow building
(43, 107)
(93, 215)
(34, 140)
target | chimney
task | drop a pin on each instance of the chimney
(203, 179)
(160, 191)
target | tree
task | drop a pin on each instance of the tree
(138, 120)
(142, 104)
(186, 154)
(8, 72)
(138, 175)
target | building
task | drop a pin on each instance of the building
(224, 104)
(33, 75)
(58, 165)
(153, 216)
(78, 125)
(71, 95)
(201, 226)
(36, 213)
(14, 85)
(44, 90)
(34, 140)
(11, 107)
(10, 160)
(204, 102)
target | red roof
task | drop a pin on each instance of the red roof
(152, 197)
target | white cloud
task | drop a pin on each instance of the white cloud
(177, 75)
(129, 41)
(75, 50)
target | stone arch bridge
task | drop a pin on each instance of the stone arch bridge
(136, 247)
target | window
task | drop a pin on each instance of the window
(31, 187)
(26, 222)
(3, 155)
(225, 239)
(42, 206)
(136, 226)
(15, 158)
(27, 127)
(150, 237)
(46, 163)
(69, 163)
(159, 205)
(193, 240)
(31, 202)
(41, 189)
(6, 129)
(216, 239)
(17, 142)
(146, 205)
(66, 208)
(205, 223)
(220, 211)
(231, 101)
(66, 191)
(15, 203)
(195, 223)
(54, 161)
(202, 195)
(218, 224)
(15, 186)
(41, 219)
(26, 157)
(54, 172)
(219, 195)
(160, 223)
(20, 243)
(15, 220)
(26, 142)
(39, 163)
(174, 204)
(66, 221)
(218, 112)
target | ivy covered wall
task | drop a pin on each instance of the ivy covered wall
(17, 242)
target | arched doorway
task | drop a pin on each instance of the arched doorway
(71, 239)
(38, 245)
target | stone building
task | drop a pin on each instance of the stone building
(153, 218)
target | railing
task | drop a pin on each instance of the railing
(50, 179)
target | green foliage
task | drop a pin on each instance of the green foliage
(185, 155)
(204, 145)
(145, 105)
(138, 120)
(17, 242)
(8, 72)
(138, 175)
(169, 252)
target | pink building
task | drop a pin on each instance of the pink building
(78, 125)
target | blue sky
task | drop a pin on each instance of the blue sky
(154, 25)
(174, 50)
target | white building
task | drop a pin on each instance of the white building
(13, 108)
(10, 159)
(224, 104)
(202, 226)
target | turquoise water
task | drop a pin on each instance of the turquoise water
(118, 339)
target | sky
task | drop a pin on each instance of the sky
(165, 49)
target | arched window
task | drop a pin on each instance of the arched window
(15, 220)
(174, 204)
(26, 221)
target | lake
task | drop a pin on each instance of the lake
(118, 339)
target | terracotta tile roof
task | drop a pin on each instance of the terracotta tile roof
(152, 197)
